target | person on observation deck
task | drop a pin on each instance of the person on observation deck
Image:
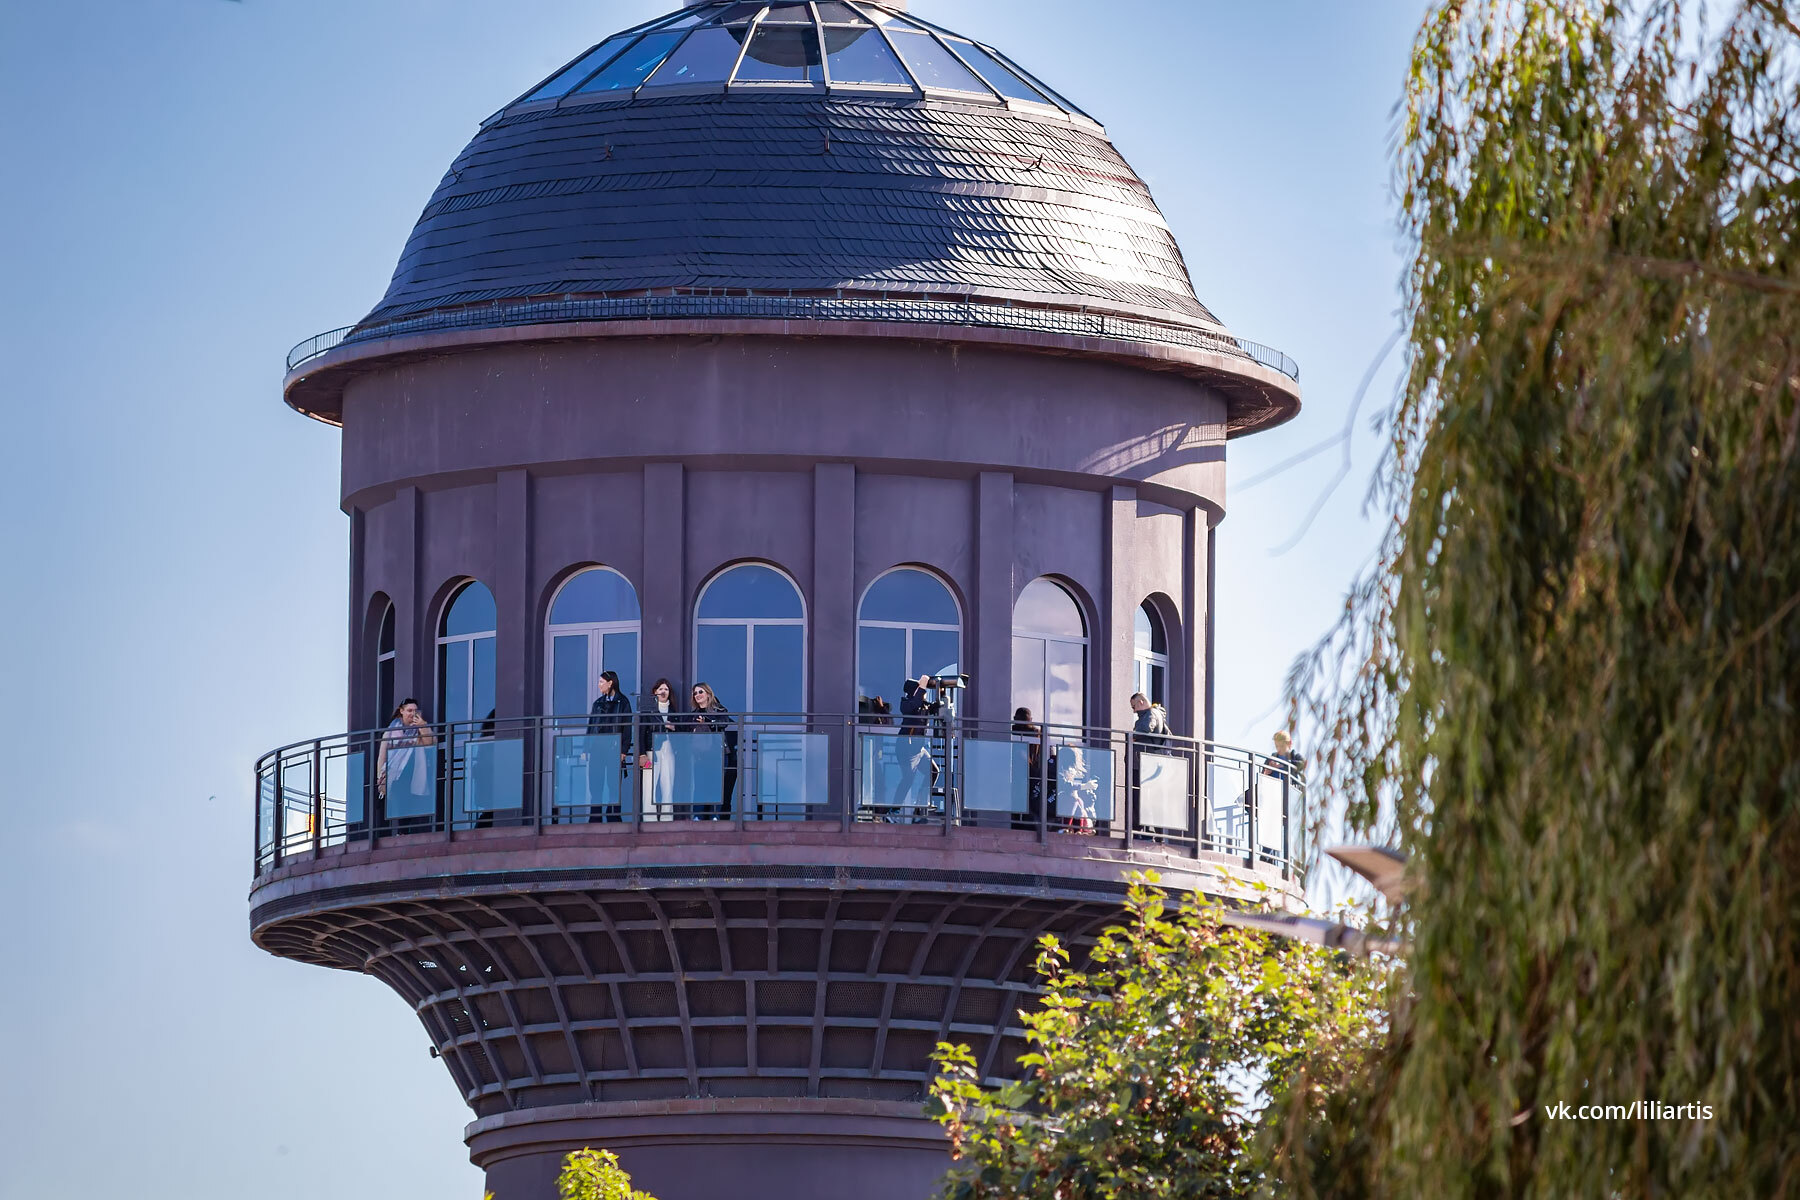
(711, 716)
(1286, 761)
(1026, 730)
(611, 715)
(918, 772)
(405, 774)
(656, 753)
(1152, 724)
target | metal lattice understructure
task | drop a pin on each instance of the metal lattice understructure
(568, 995)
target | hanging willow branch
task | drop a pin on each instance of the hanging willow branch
(1571, 687)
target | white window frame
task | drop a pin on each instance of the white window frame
(595, 632)
(907, 626)
(446, 639)
(750, 624)
(384, 705)
(1142, 661)
(1039, 636)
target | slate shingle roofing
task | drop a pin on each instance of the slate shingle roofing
(811, 183)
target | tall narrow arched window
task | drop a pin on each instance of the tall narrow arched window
(750, 640)
(466, 655)
(594, 626)
(1050, 654)
(384, 667)
(1150, 656)
(907, 625)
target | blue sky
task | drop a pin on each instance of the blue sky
(192, 186)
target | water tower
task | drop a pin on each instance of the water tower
(801, 350)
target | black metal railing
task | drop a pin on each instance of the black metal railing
(1036, 781)
(983, 314)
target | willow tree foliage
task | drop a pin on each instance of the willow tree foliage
(1148, 1067)
(1569, 688)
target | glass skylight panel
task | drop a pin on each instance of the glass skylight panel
(1055, 96)
(788, 14)
(586, 65)
(782, 54)
(706, 57)
(859, 55)
(934, 66)
(628, 70)
(689, 19)
(836, 10)
(996, 72)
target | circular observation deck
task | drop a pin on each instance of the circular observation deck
(792, 906)
(839, 170)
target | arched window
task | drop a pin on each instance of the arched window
(1049, 654)
(384, 667)
(466, 655)
(907, 625)
(750, 640)
(594, 626)
(1150, 656)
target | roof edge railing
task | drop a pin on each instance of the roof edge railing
(973, 313)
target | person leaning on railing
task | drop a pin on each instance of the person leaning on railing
(1285, 763)
(403, 760)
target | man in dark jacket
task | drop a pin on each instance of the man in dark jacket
(916, 706)
(918, 768)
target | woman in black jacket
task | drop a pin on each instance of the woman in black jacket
(709, 716)
(1026, 730)
(612, 714)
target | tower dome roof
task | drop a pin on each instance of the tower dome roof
(837, 148)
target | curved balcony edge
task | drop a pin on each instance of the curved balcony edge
(944, 801)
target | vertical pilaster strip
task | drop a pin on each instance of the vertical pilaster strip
(992, 629)
(831, 633)
(412, 637)
(1118, 612)
(360, 683)
(1186, 654)
(664, 647)
(515, 651)
(1206, 665)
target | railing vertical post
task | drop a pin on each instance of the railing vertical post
(279, 830)
(1043, 770)
(256, 823)
(1199, 788)
(1131, 781)
(847, 732)
(737, 804)
(447, 793)
(1253, 835)
(638, 802)
(318, 797)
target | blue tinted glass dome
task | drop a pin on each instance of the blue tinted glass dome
(837, 149)
(835, 45)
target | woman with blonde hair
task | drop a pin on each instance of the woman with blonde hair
(710, 716)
